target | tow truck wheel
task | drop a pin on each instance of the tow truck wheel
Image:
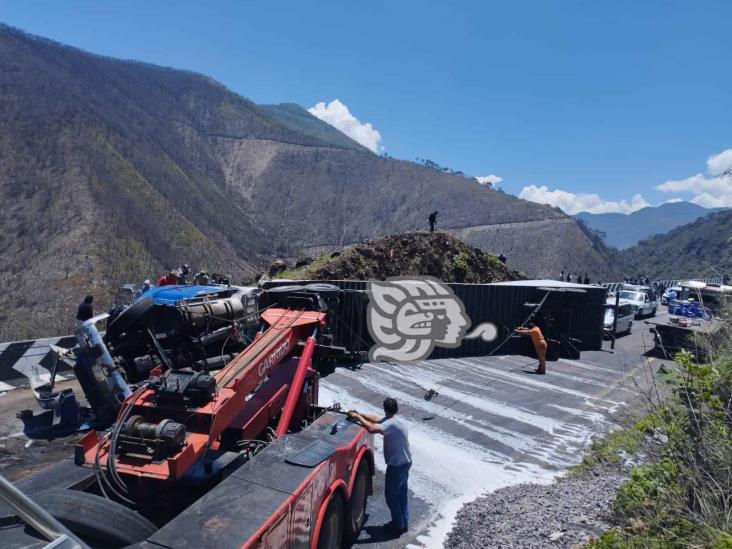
(356, 508)
(97, 520)
(331, 531)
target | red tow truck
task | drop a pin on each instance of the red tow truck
(240, 458)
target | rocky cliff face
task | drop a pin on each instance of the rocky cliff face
(111, 171)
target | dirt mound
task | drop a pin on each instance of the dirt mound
(427, 254)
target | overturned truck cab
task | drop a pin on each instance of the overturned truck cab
(238, 457)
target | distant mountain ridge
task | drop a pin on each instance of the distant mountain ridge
(702, 248)
(112, 171)
(625, 230)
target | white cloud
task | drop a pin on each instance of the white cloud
(711, 191)
(573, 203)
(719, 164)
(673, 201)
(337, 115)
(490, 180)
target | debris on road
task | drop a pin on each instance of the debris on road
(566, 513)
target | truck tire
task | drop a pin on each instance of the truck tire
(356, 507)
(327, 290)
(95, 519)
(127, 318)
(286, 289)
(331, 530)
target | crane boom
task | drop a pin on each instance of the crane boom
(186, 432)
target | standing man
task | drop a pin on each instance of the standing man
(586, 280)
(433, 220)
(398, 457)
(561, 276)
(85, 310)
(183, 273)
(540, 345)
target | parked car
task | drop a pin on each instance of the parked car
(642, 298)
(670, 294)
(626, 314)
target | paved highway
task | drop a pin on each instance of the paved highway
(494, 423)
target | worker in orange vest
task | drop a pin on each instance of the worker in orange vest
(537, 338)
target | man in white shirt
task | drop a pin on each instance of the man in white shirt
(398, 457)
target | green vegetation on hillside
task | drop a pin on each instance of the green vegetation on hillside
(682, 497)
(616, 446)
(426, 254)
(701, 248)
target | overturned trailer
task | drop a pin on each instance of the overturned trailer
(570, 315)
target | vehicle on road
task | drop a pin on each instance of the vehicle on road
(625, 314)
(643, 299)
(670, 294)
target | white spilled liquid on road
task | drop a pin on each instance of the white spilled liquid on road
(505, 445)
(448, 471)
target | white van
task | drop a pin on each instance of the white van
(626, 314)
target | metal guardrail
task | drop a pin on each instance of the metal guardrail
(615, 286)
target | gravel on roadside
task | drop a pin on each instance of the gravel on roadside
(564, 514)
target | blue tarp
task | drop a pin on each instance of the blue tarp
(171, 295)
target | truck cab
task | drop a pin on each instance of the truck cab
(643, 299)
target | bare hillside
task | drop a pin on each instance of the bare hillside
(111, 171)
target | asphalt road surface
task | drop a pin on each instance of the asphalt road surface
(493, 423)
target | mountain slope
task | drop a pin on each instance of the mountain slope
(112, 171)
(625, 230)
(701, 248)
(299, 119)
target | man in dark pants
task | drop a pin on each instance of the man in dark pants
(433, 220)
(85, 310)
(398, 457)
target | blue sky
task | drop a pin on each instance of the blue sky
(613, 98)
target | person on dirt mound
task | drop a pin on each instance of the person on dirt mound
(433, 221)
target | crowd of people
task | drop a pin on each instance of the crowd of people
(574, 277)
(181, 277)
